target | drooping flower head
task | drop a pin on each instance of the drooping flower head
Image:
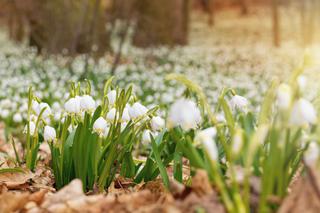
(184, 113)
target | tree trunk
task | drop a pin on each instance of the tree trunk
(161, 22)
(275, 21)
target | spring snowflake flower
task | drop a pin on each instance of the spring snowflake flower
(284, 96)
(146, 136)
(303, 113)
(73, 105)
(184, 113)
(32, 128)
(111, 114)
(5, 113)
(239, 103)
(112, 97)
(17, 118)
(205, 137)
(106, 131)
(87, 103)
(49, 134)
(157, 123)
(137, 110)
(100, 125)
(125, 115)
(312, 154)
(46, 112)
(302, 82)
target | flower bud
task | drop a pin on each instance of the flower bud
(49, 134)
(137, 110)
(111, 114)
(72, 105)
(100, 126)
(239, 103)
(157, 123)
(32, 128)
(87, 103)
(125, 115)
(47, 112)
(303, 113)
(112, 97)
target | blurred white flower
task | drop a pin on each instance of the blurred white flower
(49, 134)
(47, 112)
(137, 110)
(302, 82)
(239, 103)
(17, 118)
(284, 96)
(206, 138)
(111, 114)
(312, 154)
(32, 128)
(157, 123)
(146, 136)
(5, 113)
(87, 103)
(125, 115)
(184, 113)
(303, 113)
(72, 105)
(112, 97)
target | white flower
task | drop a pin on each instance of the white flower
(137, 110)
(184, 113)
(302, 82)
(106, 131)
(72, 105)
(146, 138)
(123, 125)
(49, 134)
(35, 107)
(32, 128)
(125, 115)
(17, 118)
(87, 103)
(312, 154)
(303, 113)
(111, 114)
(157, 123)
(239, 103)
(100, 125)
(284, 96)
(205, 134)
(206, 138)
(5, 113)
(47, 110)
(112, 97)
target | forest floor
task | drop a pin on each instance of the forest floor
(35, 192)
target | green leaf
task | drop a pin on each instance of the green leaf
(162, 169)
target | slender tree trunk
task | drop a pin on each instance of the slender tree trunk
(275, 21)
(244, 7)
(211, 12)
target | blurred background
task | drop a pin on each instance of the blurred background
(98, 26)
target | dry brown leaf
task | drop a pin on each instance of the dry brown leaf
(305, 195)
(16, 180)
(200, 183)
(11, 202)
